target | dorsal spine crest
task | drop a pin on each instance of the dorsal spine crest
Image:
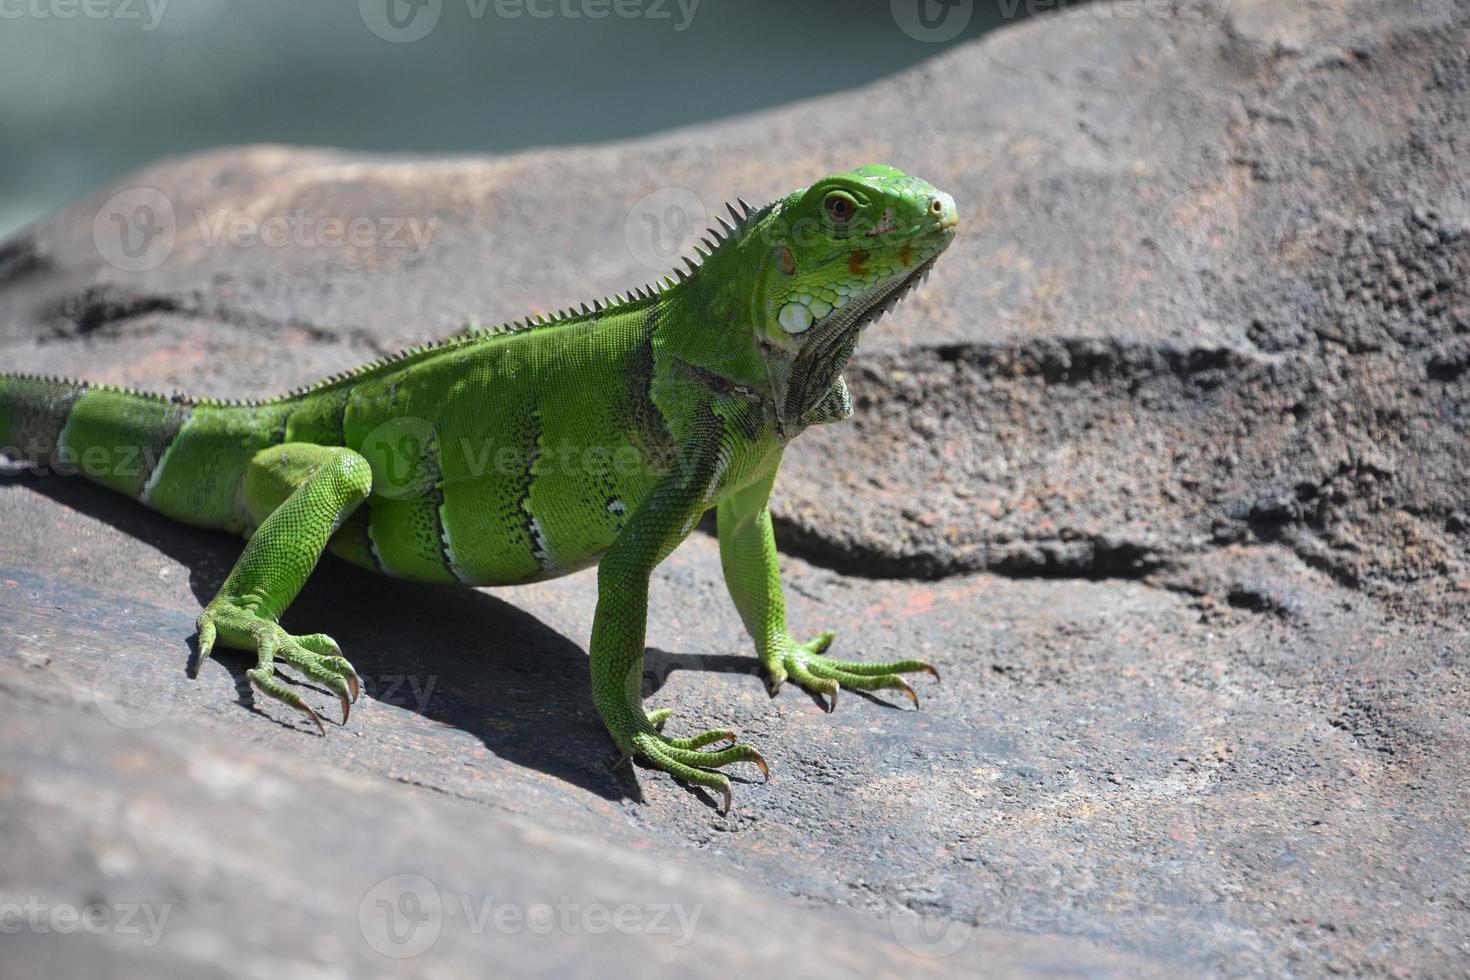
(712, 242)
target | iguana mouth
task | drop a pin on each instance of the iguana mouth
(826, 352)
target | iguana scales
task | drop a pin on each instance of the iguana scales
(447, 462)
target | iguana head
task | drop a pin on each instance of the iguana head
(837, 256)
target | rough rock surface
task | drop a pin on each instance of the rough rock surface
(1165, 469)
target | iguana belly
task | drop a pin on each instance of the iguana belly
(487, 532)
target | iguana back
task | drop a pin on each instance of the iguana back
(498, 457)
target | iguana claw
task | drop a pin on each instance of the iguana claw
(823, 676)
(687, 760)
(268, 685)
(315, 655)
(320, 728)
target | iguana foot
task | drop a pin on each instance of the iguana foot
(681, 758)
(316, 655)
(824, 676)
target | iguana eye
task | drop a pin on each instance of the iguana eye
(839, 207)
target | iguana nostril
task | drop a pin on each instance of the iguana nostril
(941, 206)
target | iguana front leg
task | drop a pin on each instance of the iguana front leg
(300, 493)
(753, 576)
(659, 524)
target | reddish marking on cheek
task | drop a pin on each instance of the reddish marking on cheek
(855, 262)
(786, 260)
(904, 254)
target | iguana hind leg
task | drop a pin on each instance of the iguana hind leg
(299, 493)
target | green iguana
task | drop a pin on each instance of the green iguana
(448, 462)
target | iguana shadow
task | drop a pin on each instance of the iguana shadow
(457, 656)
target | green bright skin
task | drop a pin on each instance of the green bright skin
(532, 450)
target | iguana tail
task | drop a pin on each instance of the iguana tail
(183, 457)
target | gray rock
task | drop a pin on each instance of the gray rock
(1164, 470)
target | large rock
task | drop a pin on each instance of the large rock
(1203, 339)
(1233, 254)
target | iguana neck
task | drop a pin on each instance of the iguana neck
(705, 330)
(704, 322)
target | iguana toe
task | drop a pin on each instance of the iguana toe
(685, 758)
(332, 661)
(264, 680)
(315, 655)
(824, 676)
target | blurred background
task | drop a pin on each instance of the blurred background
(95, 88)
